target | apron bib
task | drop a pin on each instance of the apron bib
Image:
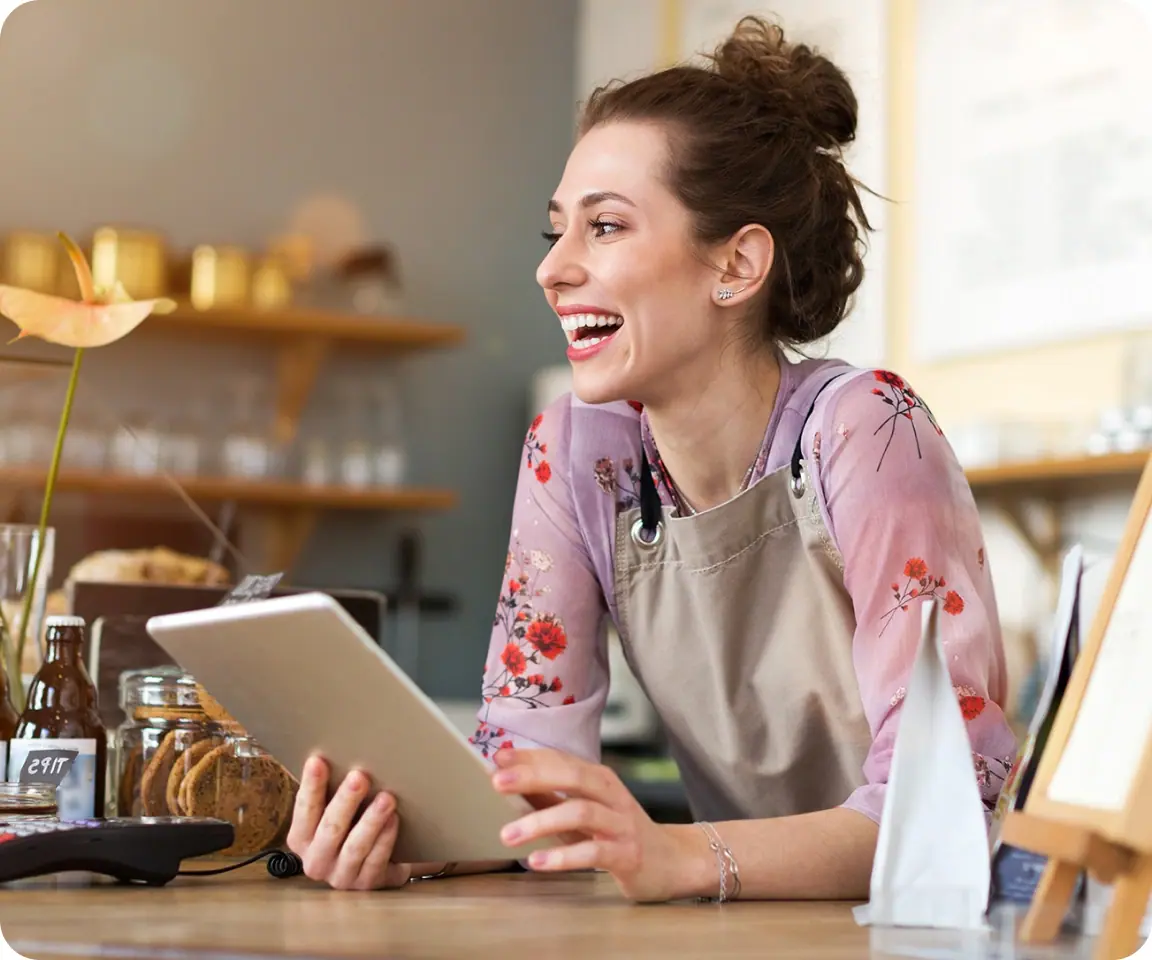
(737, 624)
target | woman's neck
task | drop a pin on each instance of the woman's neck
(710, 438)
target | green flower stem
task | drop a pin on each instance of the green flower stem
(50, 486)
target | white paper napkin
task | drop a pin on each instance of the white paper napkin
(932, 866)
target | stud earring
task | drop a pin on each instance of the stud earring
(725, 294)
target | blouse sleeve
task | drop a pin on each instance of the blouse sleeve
(904, 519)
(546, 674)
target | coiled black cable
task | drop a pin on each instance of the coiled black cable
(282, 864)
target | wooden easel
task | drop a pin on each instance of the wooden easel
(1106, 827)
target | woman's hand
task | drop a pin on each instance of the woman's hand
(599, 823)
(345, 852)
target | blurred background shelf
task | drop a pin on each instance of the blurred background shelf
(295, 322)
(291, 510)
(1058, 475)
(1030, 496)
(265, 493)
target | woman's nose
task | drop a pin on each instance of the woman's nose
(560, 268)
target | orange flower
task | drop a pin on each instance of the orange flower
(916, 569)
(547, 635)
(101, 316)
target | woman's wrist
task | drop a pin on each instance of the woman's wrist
(697, 873)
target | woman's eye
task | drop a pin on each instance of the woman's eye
(551, 237)
(602, 228)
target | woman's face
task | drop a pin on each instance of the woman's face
(633, 292)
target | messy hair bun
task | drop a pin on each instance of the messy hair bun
(797, 83)
(756, 136)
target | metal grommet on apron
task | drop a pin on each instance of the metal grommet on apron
(648, 530)
(739, 629)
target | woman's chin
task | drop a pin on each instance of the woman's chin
(593, 387)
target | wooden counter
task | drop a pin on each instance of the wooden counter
(514, 916)
(508, 917)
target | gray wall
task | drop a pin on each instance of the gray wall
(446, 121)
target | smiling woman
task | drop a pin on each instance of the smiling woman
(760, 531)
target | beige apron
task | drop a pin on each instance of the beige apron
(737, 624)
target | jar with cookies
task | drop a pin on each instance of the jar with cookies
(180, 754)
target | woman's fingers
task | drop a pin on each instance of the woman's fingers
(586, 817)
(549, 771)
(615, 856)
(367, 845)
(311, 799)
(378, 870)
(324, 848)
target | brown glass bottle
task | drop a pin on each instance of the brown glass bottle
(60, 738)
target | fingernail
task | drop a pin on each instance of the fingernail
(541, 858)
(359, 780)
(505, 778)
(510, 833)
(383, 801)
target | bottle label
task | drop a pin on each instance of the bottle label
(4, 759)
(68, 765)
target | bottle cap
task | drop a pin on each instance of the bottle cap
(59, 620)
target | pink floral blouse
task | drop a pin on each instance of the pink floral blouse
(898, 507)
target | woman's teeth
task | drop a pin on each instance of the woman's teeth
(575, 322)
(585, 342)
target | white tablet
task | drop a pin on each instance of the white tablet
(302, 676)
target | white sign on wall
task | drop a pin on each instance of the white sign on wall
(1034, 173)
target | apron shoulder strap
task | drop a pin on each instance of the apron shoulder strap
(798, 451)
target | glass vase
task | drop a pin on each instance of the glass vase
(19, 546)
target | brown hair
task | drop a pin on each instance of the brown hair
(757, 137)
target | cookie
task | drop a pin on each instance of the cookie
(255, 793)
(184, 764)
(154, 779)
(128, 794)
(211, 706)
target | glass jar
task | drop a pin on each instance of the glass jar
(242, 783)
(173, 759)
(27, 801)
(166, 732)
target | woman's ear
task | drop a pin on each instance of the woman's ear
(747, 259)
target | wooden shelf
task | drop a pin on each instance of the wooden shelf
(264, 493)
(1030, 496)
(294, 323)
(1057, 476)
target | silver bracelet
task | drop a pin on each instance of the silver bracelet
(725, 861)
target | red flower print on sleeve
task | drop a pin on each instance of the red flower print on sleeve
(535, 639)
(902, 401)
(514, 660)
(920, 584)
(534, 452)
(546, 634)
